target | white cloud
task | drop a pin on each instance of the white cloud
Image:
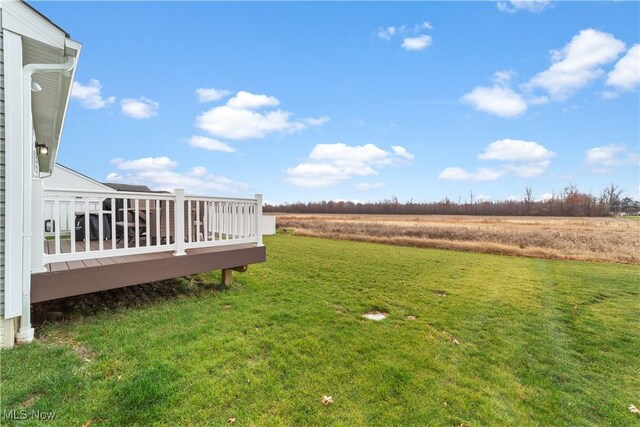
(416, 43)
(158, 174)
(626, 74)
(413, 37)
(608, 94)
(387, 33)
(315, 175)
(250, 101)
(459, 174)
(573, 68)
(356, 201)
(319, 121)
(90, 95)
(238, 120)
(544, 197)
(538, 100)
(503, 77)
(426, 25)
(140, 109)
(496, 100)
(146, 163)
(211, 94)
(402, 152)
(528, 170)
(329, 164)
(232, 123)
(541, 198)
(605, 157)
(515, 150)
(518, 157)
(577, 64)
(512, 6)
(368, 186)
(359, 155)
(210, 144)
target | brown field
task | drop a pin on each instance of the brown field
(586, 239)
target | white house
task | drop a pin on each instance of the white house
(123, 238)
(63, 177)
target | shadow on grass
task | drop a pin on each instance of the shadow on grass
(71, 308)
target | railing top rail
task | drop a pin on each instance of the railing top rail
(114, 193)
(135, 195)
(219, 199)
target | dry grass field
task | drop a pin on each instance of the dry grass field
(586, 239)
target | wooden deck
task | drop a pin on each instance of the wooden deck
(63, 279)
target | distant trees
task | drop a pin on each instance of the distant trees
(571, 202)
(629, 206)
(528, 199)
(611, 194)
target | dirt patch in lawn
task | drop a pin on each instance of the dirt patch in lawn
(375, 315)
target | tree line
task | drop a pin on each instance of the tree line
(570, 202)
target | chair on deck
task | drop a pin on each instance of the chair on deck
(130, 232)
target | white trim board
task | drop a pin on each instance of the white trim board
(22, 20)
(14, 165)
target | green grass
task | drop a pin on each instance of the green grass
(540, 343)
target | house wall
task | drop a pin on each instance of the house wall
(64, 178)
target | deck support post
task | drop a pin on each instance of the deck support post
(226, 277)
(179, 221)
(258, 219)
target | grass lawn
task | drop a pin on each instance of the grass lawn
(496, 341)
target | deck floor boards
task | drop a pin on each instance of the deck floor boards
(63, 279)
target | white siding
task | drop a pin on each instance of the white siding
(65, 178)
(2, 172)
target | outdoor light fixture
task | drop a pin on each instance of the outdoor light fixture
(42, 149)
(35, 87)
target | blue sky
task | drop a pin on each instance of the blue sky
(355, 101)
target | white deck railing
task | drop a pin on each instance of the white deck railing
(79, 225)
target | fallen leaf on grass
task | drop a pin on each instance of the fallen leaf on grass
(633, 409)
(451, 338)
(232, 420)
(326, 400)
(88, 423)
(411, 317)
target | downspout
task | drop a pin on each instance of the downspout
(26, 332)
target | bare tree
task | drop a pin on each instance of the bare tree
(528, 198)
(611, 195)
(569, 199)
